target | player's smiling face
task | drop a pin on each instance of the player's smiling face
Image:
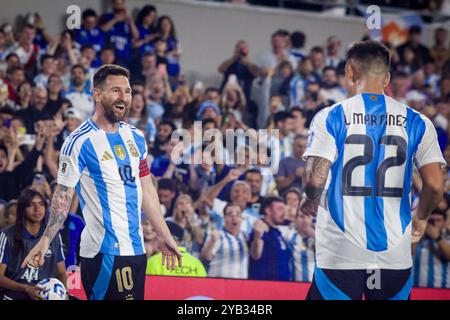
(116, 98)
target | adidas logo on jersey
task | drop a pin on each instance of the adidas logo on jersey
(107, 156)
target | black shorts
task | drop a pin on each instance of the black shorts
(380, 284)
(107, 277)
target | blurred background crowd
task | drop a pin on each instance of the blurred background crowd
(219, 212)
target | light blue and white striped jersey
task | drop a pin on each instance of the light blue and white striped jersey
(302, 257)
(373, 143)
(430, 270)
(230, 256)
(104, 168)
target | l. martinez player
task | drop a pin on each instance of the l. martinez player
(104, 160)
(360, 159)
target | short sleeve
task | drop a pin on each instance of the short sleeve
(71, 164)
(428, 150)
(320, 142)
(4, 254)
(140, 143)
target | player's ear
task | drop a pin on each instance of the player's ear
(97, 93)
(387, 79)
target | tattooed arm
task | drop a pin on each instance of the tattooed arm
(60, 206)
(315, 178)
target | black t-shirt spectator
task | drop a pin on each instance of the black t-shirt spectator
(244, 77)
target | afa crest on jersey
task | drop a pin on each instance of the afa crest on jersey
(134, 152)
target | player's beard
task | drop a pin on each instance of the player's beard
(112, 115)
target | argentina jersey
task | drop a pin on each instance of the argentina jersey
(104, 170)
(230, 256)
(373, 142)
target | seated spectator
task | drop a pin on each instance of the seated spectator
(192, 266)
(37, 111)
(269, 253)
(120, 30)
(80, 93)
(18, 283)
(227, 250)
(431, 262)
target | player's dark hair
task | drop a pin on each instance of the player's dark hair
(109, 70)
(25, 198)
(369, 56)
(267, 203)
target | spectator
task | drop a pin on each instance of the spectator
(440, 51)
(414, 44)
(9, 215)
(333, 48)
(291, 168)
(26, 50)
(292, 200)
(167, 193)
(80, 93)
(15, 76)
(90, 34)
(241, 66)
(37, 111)
(301, 244)
(107, 55)
(56, 103)
(269, 253)
(184, 215)
(431, 265)
(299, 120)
(192, 266)
(298, 39)
(138, 116)
(145, 22)
(330, 89)
(120, 31)
(166, 28)
(48, 66)
(18, 283)
(150, 238)
(227, 250)
(284, 122)
(318, 60)
(303, 76)
(164, 131)
(254, 178)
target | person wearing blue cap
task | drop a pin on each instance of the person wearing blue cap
(208, 110)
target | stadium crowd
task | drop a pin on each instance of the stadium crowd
(234, 220)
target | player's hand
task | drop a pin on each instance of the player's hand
(170, 253)
(33, 292)
(309, 207)
(35, 257)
